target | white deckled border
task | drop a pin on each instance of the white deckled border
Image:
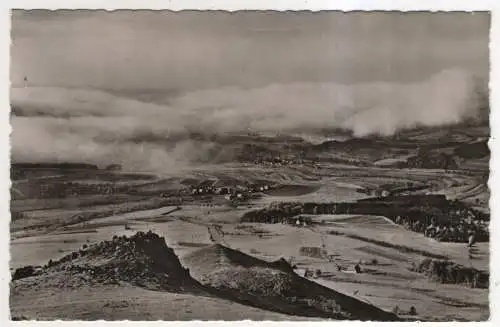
(261, 4)
(231, 5)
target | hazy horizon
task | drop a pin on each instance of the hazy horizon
(120, 84)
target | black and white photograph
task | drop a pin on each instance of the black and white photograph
(249, 165)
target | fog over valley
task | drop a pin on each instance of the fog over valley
(90, 96)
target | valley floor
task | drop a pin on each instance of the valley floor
(386, 281)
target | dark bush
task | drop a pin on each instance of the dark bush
(447, 272)
(23, 272)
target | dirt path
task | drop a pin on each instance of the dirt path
(172, 211)
(214, 230)
(216, 234)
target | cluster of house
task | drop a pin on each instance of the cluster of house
(375, 192)
(397, 191)
(277, 161)
(230, 192)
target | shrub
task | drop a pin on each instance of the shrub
(23, 272)
(448, 272)
(18, 318)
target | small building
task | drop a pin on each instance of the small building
(237, 196)
(222, 190)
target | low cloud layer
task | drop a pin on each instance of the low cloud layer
(68, 124)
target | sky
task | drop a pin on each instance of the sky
(133, 86)
(196, 50)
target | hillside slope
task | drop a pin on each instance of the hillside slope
(274, 285)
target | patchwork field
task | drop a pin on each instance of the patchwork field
(365, 258)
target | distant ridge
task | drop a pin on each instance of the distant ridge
(52, 165)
